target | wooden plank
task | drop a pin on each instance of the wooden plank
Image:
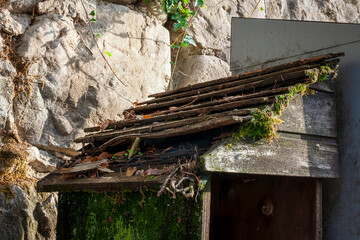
(252, 74)
(318, 210)
(82, 167)
(312, 114)
(174, 132)
(206, 212)
(293, 155)
(264, 93)
(285, 75)
(194, 112)
(66, 151)
(269, 83)
(109, 182)
(183, 114)
(155, 127)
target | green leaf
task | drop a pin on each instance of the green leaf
(163, 5)
(93, 20)
(98, 35)
(199, 3)
(177, 26)
(171, 62)
(262, 9)
(188, 40)
(147, 1)
(175, 46)
(109, 54)
(92, 13)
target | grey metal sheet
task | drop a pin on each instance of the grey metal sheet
(260, 43)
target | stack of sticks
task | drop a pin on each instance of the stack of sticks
(204, 106)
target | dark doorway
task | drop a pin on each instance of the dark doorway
(263, 207)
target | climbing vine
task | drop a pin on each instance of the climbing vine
(183, 13)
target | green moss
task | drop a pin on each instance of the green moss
(322, 73)
(282, 101)
(120, 216)
(202, 162)
(262, 126)
(265, 122)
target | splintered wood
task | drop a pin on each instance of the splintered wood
(187, 111)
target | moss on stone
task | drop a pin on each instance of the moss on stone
(14, 168)
(120, 216)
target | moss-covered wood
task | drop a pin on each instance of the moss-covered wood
(292, 155)
(128, 215)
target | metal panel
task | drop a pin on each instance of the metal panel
(260, 43)
(272, 42)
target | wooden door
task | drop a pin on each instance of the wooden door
(265, 207)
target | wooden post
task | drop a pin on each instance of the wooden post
(206, 210)
(318, 209)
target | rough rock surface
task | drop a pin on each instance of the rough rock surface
(21, 6)
(7, 71)
(200, 68)
(122, 2)
(328, 11)
(14, 24)
(212, 31)
(154, 9)
(1, 44)
(28, 215)
(70, 8)
(41, 162)
(71, 86)
(79, 89)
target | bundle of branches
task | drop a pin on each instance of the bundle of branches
(183, 179)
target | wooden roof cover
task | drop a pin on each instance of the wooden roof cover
(185, 111)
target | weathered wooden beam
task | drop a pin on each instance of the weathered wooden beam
(318, 210)
(206, 212)
(312, 114)
(156, 127)
(264, 93)
(292, 155)
(156, 159)
(252, 74)
(271, 83)
(66, 151)
(180, 131)
(109, 182)
(284, 75)
(194, 112)
(81, 167)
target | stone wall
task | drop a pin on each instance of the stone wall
(54, 82)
